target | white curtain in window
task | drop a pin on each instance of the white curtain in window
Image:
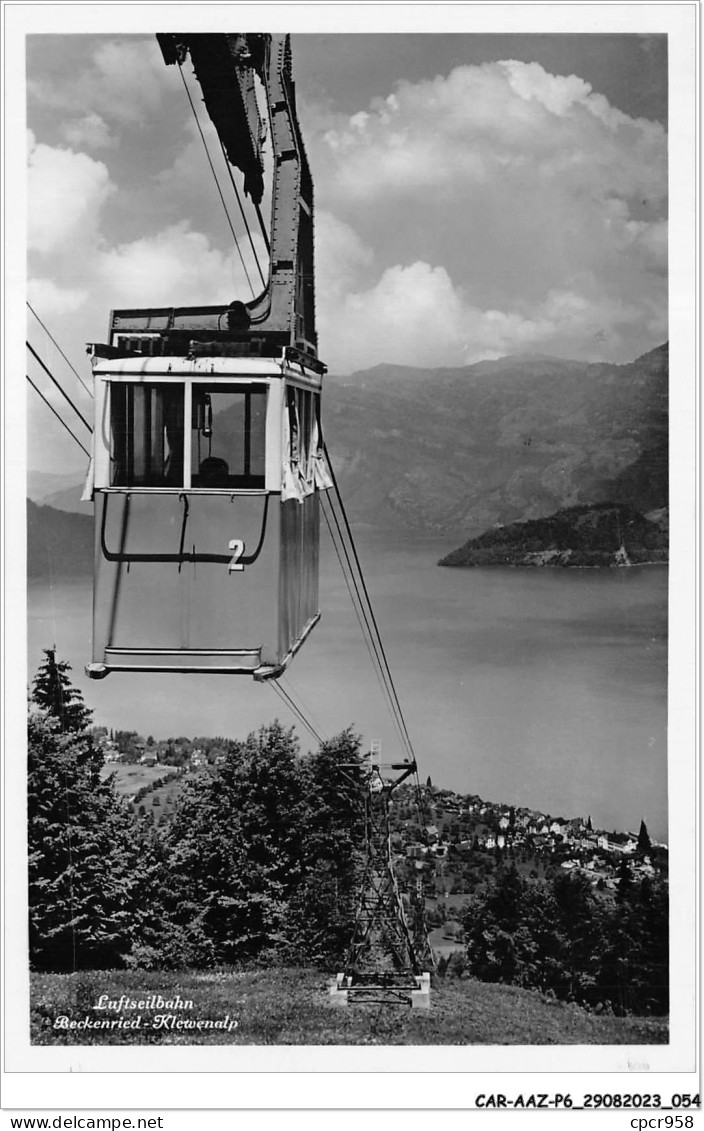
(305, 468)
(320, 472)
(89, 485)
(291, 481)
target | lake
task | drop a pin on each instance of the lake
(545, 688)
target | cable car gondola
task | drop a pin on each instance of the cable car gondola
(208, 454)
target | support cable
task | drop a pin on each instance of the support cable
(264, 230)
(298, 713)
(379, 657)
(353, 590)
(64, 394)
(303, 706)
(363, 616)
(372, 618)
(376, 638)
(71, 367)
(242, 213)
(382, 675)
(360, 612)
(217, 182)
(380, 916)
(60, 420)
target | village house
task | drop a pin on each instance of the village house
(642, 870)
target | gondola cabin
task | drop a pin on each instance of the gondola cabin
(205, 485)
(208, 454)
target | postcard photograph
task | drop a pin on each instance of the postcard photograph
(353, 460)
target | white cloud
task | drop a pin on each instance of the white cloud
(543, 203)
(50, 300)
(341, 258)
(415, 316)
(66, 191)
(90, 130)
(557, 93)
(651, 241)
(129, 79)
(496, 210)
(505, 118)
(174, 267)
(123, 80)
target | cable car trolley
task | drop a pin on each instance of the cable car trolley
(208, 453)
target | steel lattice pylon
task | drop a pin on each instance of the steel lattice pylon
(388, 959)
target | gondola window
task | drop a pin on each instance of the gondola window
(227, 437)
(146, 427)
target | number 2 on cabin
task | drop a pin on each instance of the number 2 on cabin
(238, 549)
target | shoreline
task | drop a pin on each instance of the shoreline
(544, 565)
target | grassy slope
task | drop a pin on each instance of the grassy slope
(292, 1007)
(131, 777)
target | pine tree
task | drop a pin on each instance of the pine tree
(236, 847)
(624, 887)
(53, 692)
(324, 905)
(644, 843)
(261, 856)
(82, 854)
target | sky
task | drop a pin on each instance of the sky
(476, 196)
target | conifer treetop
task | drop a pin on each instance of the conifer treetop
(53, 692)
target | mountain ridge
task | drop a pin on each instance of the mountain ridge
(458, 450)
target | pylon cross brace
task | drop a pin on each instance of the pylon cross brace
(385, 961)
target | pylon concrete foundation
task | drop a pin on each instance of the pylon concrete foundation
(414, 991)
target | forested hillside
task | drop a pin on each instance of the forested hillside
(260, 861)
(577, 536)
(59, 544)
